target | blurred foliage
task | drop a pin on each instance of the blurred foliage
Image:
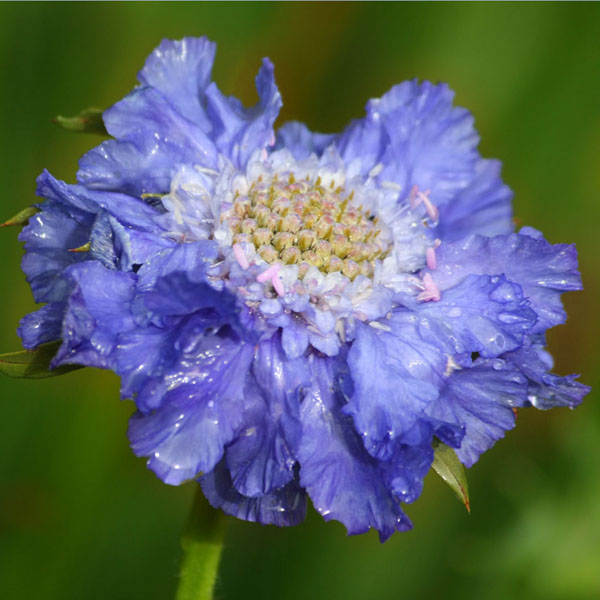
(80, 517)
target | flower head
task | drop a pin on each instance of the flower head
(296, 313)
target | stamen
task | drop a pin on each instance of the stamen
(431, 258)
(278, 285)
(378, 325)
(240, 256)
(391, 185)
(271, 272)
(431, 209)
(206, 170)
(272, 275)
(375, 170)
(412, 197)
(431, 290)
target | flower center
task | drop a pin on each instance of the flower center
(305, 223)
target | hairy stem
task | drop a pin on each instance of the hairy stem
(202, 543)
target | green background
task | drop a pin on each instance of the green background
(81, 517)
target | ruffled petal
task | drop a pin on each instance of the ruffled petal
(43, 325)
(181, 70)
(405, 471)
(294, 338)
(418, 137)
(97, 311)
(283, 507)
(343, 481)
(237, 131)
(300, 141)
(262, 458)
(200, 414)
(395, 375)
(48, 237)
(542, 270)
(546, 390)
(483, 207)
(174, 307)
(150, 359)
(174, 284)
(127, 209)
(482, 314)
(152, 141)
(480, 397)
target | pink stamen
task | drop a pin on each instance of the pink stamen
(269, 273)
(272, 275)
(431, 258)
(437, 243)
(412, 198)
(272, 140)
(431, 291)
(240, 256)
(431, 208)
(264, 155)
(278, 285)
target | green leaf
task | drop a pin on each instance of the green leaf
(33, 364)
(21, 217)
(451, 470)
(87, 121)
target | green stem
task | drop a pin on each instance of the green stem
(202, 542)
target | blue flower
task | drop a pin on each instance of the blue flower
(296, 313)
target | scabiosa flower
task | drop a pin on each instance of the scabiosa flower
(297, 313)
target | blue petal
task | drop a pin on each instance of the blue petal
(480, 398)
(481, 314)
(343, 481)
(483, 207)
(180, 70)
(542, 270)
(200, 414)
(190, 258)
(143, 356)
(97, 311)
(418, 137)
(300, 141)
(48, 237)
(128, 210)
(238, 132)
(395, 377)
(546, 390)
(109, 243)
(174, 284)
(119, 247)
(406, 469)
(43, 325)
(153, 140)
(294, 338)
(283, 507)
(148, 359)
(262, 458)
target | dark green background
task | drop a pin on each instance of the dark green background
(80, 517)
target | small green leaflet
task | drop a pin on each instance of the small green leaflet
(451, 470)
(21, 217)
(87, 121)
(33, 364)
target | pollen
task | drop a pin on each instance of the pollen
(290, 221)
